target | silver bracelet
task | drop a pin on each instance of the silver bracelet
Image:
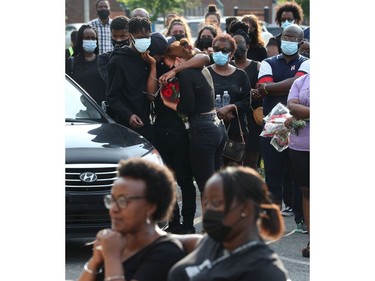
(87, 269)
(115, 277)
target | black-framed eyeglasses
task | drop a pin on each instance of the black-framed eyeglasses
(223, 50)
(121, 201)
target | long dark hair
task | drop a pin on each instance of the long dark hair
(79, 61)
(78, 49)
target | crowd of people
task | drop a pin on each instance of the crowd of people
(163, 86)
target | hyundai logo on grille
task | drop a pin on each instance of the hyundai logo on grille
(88, 177)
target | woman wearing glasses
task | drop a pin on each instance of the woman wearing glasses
(135, 248)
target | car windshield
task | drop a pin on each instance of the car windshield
(78, 107)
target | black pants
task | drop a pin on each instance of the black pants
(279, 177)
(207, 140)
(174, 149)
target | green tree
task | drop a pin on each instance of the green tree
(157, 7)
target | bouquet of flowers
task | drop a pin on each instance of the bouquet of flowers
(275, 128)
(171, 92)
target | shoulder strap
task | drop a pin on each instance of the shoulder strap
(206, 73)
(239, 124)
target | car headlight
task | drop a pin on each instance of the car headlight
(154, 156)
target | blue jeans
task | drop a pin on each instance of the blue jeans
(207, 140)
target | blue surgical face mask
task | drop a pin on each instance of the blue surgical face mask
(285, 24)
(142, 44)
(89, 46)
(220, 58)
(289, 48)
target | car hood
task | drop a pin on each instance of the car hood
(102, 143)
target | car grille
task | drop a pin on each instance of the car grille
(105, 173)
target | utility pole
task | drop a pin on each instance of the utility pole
(86, 11)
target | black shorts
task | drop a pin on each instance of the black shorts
(301, 167)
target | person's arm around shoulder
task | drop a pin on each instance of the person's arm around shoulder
(199, 60)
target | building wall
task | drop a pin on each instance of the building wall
(256, 6)
(74, 10)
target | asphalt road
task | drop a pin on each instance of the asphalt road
(288, 247)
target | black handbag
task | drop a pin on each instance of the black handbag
(235, 150)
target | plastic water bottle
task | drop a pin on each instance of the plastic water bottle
(218, 102)
(226, 98)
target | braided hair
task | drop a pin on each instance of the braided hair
(139, 25)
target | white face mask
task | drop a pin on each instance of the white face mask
(89, 46)
(142, 44)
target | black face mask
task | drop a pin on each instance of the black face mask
(240, 52)
(103, 14)
(213, 225)
(119, 44)
(205, 43)
(179, 36)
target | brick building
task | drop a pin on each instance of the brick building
(74, 9)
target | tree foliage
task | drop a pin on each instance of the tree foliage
(156, 7)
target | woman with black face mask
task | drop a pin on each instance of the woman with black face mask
(257, 50)
(205, 37)
(238, 215)
(179, 29)
(251, 67)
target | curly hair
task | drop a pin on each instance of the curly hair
(159, 180)
(120, 23)
(289, 7)
(240, 28)
(244, 184)
(226, 37)
(257, 39)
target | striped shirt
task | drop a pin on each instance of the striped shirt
(104, 35)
